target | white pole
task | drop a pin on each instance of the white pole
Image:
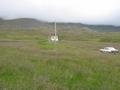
(55, 29)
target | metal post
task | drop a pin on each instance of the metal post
(55, 29)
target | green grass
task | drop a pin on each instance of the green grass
(111, 37)
(29, 62)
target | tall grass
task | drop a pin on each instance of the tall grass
(35, 64)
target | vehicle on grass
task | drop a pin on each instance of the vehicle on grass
(109, 50)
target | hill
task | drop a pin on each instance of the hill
(28, 23)
(22, 23)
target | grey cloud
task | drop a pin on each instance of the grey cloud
(59, 11)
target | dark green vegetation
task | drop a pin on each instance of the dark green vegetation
(27, 23)
(29, 62)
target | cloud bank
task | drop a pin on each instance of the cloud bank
(85, 11)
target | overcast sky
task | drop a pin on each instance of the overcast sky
(85, 11)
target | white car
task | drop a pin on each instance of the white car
(109, 50)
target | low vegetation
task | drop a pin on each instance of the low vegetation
(29, 62)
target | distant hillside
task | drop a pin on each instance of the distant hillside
(22, 23)
(104, 28)
(28, 23)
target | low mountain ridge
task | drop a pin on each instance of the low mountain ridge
(28, 23)
(22, 23)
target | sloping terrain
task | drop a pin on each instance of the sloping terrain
(28, 23)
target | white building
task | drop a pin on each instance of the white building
(54, 38)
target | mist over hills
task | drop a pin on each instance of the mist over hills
(29, 23)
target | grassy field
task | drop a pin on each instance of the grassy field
(29, 62)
